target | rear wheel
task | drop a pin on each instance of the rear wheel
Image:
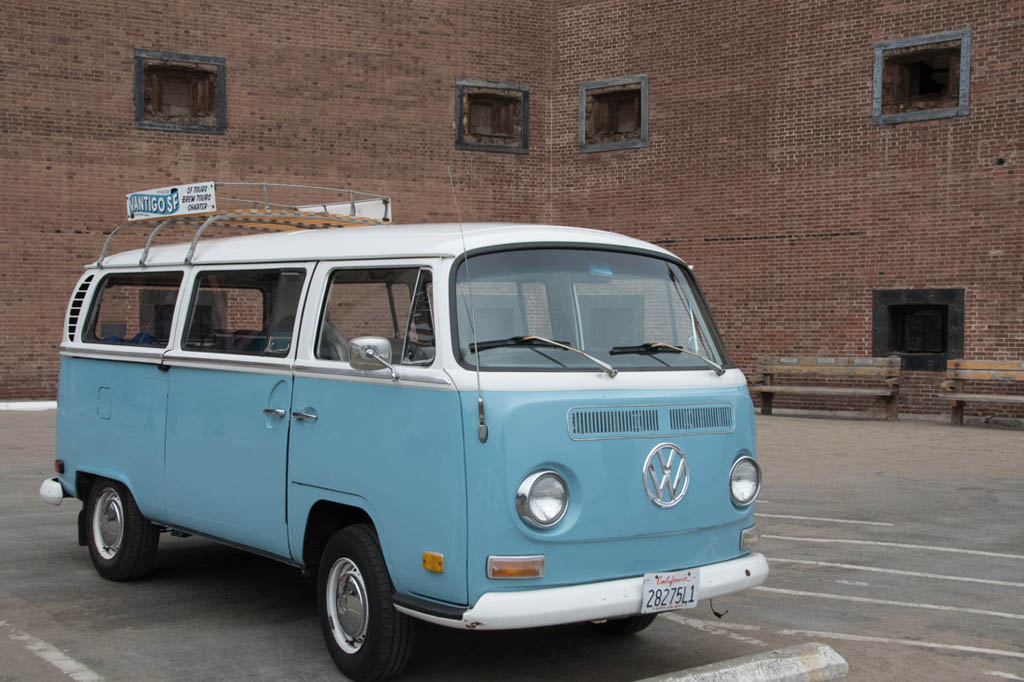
(122, 542)
(625, 626)
(367, 638)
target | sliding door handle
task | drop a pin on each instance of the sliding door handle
(303, 416)
(271, 412)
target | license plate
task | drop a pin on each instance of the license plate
(670, 591)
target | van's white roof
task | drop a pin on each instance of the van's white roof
(388, 241)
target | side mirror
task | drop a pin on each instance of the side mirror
(371, 352)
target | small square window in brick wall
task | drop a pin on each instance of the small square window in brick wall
(179, 92)
(922, 78)
(923, 326)
(613, 114)
(492, 117)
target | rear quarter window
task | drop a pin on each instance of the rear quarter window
(134, 309)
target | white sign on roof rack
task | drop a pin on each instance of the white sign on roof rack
(165, 202)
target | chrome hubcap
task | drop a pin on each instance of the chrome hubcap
(108, 524)
(347, 607)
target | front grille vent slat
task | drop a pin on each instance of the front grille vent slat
(75, 309)
(588, 423)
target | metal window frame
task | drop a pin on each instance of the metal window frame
(642, 141)
(141, 122)
(514, 89)
(962, 108)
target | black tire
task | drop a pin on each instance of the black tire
(625, 626)
(122, 542)
(369, 640)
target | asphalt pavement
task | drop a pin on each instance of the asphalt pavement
(899, 544)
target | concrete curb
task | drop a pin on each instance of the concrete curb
(810, 662)
(28, 406)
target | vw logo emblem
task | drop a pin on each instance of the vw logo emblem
(666, 475)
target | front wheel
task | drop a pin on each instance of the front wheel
(368, 639)
(122, 542)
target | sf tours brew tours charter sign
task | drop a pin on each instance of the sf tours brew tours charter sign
(172, 201)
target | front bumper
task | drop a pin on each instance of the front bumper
(594, 601)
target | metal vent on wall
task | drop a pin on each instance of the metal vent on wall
(76, 307)
(593, 423)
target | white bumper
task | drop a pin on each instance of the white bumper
(594, 601)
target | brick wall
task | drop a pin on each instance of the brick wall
(763, 168)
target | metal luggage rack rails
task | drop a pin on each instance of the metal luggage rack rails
(264, 215)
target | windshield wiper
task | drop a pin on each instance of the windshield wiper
(539, 341)
(666, 348)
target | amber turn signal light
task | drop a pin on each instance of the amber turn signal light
(433, 562)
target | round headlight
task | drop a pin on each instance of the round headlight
(744, 481)
(542, 499)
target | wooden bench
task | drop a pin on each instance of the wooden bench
(960, 371)
(772, 368)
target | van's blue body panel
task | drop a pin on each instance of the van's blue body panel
(110, 422)
(226, 459)
(611, 529)
(400, 447)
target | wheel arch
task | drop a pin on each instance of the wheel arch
(325, 518)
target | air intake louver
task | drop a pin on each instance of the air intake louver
(592, 423)
(76, 307)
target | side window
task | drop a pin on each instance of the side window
(393, 303)
(134, 309)
(244, 312)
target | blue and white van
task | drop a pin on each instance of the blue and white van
(481, 426)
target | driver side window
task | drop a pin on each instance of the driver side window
(392, 303)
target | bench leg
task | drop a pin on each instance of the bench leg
(766, 402)
(892, 408)
(956, 413)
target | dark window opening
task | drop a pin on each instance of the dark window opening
(613, 114)
(918, 328)
(915, 79)
(923, 326)
(180, 92)
(492, 117)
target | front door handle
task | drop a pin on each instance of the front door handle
(303, 416)
(271, 412)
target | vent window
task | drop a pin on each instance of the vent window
(75, 310)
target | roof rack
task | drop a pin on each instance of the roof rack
(327, 208)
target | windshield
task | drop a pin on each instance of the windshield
(631, 311)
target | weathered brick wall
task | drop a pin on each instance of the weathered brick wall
(764, 169)
(347, 94)
(765, 172)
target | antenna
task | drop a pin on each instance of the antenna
(482, 427)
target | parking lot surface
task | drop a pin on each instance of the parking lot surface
(899, 544)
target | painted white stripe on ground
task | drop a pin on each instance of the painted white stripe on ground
(904, 642)
(712, 629)
(887, 602)
(53, 656)
(823, 518)
(903, 545)
(1005, 676)
(893, 571)
(28, 405)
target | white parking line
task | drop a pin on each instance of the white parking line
(887, 602)
(893, 571)
(903, 545)
(823, 518)
(53, 656)
(713, 629)
(1005, 676)
(904, 642)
